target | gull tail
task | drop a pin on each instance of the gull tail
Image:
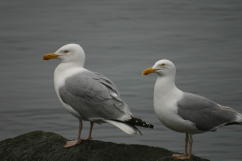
(125, 127)
(239, 118)
(236, 121)
(138, 122)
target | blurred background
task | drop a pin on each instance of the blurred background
(121, 38)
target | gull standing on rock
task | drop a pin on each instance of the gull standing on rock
(89, 96)
(186, 112)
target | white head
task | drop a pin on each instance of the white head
(68, 53)
(163, 68)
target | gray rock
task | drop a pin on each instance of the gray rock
(47, 146)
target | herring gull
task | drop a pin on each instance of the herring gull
(89, 96)
(186, 112)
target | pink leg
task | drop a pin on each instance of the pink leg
(188, 146)
(90, 131)
(72, 143)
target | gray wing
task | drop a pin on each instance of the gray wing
(204, 113)
(94, 96)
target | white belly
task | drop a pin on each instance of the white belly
(165, 106)
(168, 116)
(60, 74)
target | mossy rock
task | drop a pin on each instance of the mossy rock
(48, 146)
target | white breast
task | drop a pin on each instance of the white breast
(165, 106)
(63, 71)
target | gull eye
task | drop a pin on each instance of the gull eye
(66, 51)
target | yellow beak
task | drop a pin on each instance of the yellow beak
(149, 70)
(50, 56)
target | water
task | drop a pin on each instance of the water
(121, 38)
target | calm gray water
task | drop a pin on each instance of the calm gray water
(121, 38)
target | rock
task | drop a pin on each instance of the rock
(48, 146)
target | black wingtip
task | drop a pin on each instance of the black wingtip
(138, 122)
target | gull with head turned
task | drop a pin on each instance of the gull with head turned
(186, 112)
(89, 96)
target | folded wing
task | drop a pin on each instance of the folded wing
(204, 113)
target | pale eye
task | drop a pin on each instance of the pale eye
(66, 51)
